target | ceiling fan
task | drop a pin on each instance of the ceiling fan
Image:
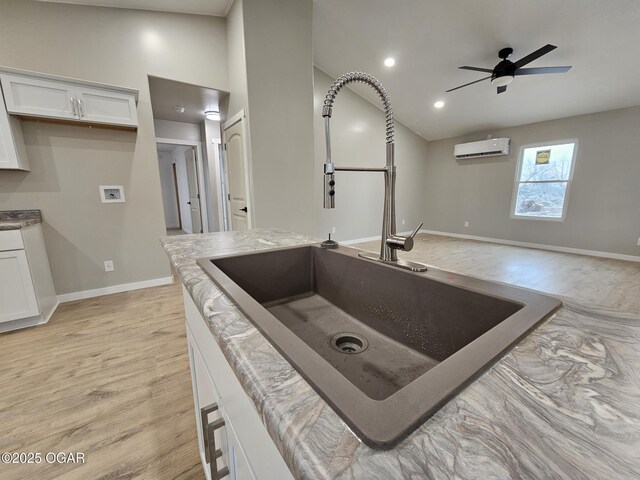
(505, 71)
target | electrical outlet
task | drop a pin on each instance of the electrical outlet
(333, 230)
(466, 224)
(403, 221)
(108, 266)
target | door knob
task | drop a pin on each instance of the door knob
(189, 203)
(243, 209)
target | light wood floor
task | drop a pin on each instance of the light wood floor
(109, 376)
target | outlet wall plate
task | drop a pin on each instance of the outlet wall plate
(111, 193)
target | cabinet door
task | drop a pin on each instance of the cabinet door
(17, 296)
(38, 97)
(105, 106)
(237, 458)
(205, 394)
(13, 154)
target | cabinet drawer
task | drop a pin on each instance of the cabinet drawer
(11, 240)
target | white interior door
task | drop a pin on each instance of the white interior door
(194, 191)
(236, 177)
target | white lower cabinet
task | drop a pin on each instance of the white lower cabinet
(27, 296)
(17, 296)
(229, 428)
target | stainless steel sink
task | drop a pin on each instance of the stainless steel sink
(385, 347)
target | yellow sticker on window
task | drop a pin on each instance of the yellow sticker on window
(542, 157)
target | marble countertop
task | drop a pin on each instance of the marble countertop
(564, 403)
(17, 219)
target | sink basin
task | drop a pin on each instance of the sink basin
(385, 347)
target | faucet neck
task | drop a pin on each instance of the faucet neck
(361, 77)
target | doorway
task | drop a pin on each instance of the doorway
(181, 184)
(237, 188)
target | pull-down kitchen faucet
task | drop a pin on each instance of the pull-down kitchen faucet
(390, 241)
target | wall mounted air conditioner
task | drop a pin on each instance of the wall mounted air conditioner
(485, 148)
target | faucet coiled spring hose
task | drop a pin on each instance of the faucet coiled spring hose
(361, 77)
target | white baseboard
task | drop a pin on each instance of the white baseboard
(539, 246)
(124, 287)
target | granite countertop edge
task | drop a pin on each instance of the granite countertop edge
(534, 413)
(18, 219)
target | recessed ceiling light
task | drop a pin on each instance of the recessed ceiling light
(179, 108)
(439, 104)
(389, 62)
(212, 115)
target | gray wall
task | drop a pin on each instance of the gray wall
(120, 47)
(358, 139)
(604, 203)
(271, 77)
(237, 65)
(177, 130)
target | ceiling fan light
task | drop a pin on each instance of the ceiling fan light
(502, 81)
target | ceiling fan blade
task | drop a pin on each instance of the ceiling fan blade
(502, 89)
(477, 69)
(537, 70)
(537, 54)
(470, 83)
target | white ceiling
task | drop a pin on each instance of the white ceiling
(200, 7)
(167, 94)
(431, 38)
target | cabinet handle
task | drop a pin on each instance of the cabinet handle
(81, 108)
(73, 107)
(212, 453)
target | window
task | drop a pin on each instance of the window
(543, 180)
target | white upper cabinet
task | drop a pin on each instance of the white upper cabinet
(38, 97)
(97, 105)
(34, 95)
(13, 155)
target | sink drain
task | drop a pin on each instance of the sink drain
(349, 343)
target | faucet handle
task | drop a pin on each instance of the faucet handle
(417, 229)
(399, 242)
